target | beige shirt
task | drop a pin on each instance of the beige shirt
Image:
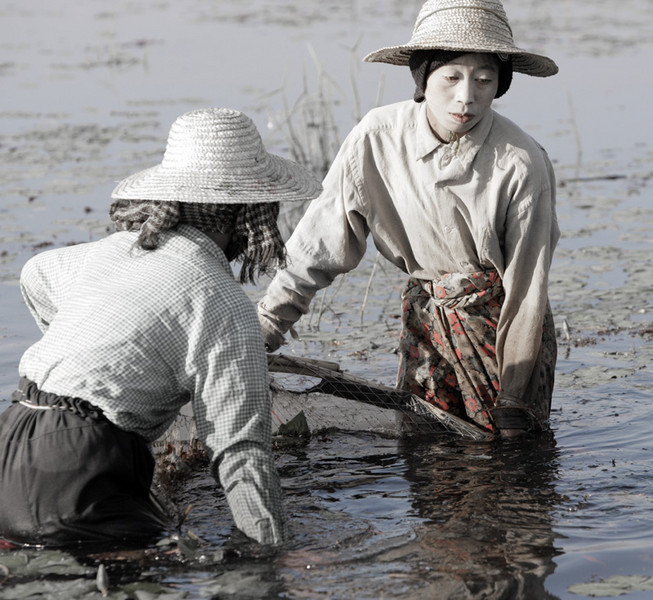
(431, 209)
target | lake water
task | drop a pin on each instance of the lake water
(89, 91)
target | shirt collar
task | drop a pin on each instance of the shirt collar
(427, 142)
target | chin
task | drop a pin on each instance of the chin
(463, 129)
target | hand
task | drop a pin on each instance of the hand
(513, 420)
(273, 338)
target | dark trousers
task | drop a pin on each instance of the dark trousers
(67, 474)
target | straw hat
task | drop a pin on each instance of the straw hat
(465, 25)
(216, 156)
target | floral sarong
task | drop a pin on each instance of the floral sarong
(448, 347)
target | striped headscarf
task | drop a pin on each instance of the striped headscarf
(255, 240)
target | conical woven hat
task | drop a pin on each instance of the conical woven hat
(216, 156)
(467, 26)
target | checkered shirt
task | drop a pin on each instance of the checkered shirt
(140, 333)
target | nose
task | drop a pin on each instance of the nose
(465, 92)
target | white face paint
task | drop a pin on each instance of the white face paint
(460, 93)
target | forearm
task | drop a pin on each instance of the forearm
(248, 476)
(530, 239)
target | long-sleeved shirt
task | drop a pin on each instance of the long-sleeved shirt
(140, 333)
(432, 209)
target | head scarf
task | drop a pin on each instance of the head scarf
(255, 240)
(423, 62)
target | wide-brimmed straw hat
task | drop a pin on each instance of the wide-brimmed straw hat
(468, 26)
(216, 156)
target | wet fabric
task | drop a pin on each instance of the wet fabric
(448, 348)
(65, 477)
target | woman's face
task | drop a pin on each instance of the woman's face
(460, 93)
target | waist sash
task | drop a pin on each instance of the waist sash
(458, 290)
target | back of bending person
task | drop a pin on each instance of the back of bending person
(138, 324)
(462, 200)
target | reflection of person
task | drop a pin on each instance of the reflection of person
(139, 323)
(488, 519)
(462, 200)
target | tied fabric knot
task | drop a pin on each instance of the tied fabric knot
(458, 290)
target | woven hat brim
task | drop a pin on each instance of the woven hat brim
(283, 181)
(522, 61)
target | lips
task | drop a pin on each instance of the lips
(462, 118)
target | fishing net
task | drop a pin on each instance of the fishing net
(310, 396)
(313, 395)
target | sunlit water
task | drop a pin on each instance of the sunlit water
(89, 91)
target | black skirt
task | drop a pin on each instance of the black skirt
(67, 474)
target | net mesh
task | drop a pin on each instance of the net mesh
(310, 396)
(329, 397)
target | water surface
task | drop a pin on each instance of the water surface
(89, 92)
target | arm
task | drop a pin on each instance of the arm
(46, 278)
(530, 238)
(232, 412)
(330, 239)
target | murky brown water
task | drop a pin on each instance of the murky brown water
(89, 91)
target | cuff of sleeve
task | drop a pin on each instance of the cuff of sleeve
(262, 523)
(273, 328)
(253, 490)
(511, 413)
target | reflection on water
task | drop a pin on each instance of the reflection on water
(489, 517)
(377, 518)
(373, 517)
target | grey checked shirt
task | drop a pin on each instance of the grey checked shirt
(140, 333)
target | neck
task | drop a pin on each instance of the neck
(221, 239)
